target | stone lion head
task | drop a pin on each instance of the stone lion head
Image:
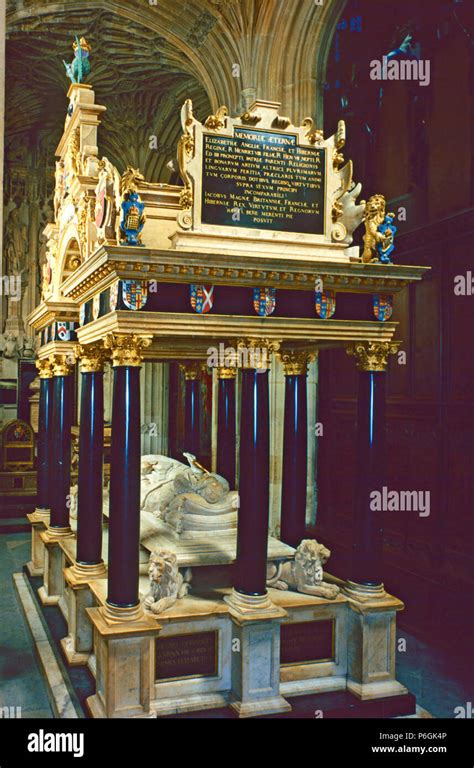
(310, 557)
(163, 572)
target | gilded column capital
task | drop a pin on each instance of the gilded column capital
(44, 368)
(91, 357)
(191, 370)
(62, 365)
(126, 349)
(373, 355)
(295, 362)
(255, 353)
(227, 373)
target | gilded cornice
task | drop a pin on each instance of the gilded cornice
(108, 265)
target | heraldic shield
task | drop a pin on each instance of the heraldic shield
(383, 307)
(201, 298)
(264, 301)
(325, 303)
(134, 294)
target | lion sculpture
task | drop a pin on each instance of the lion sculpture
(374, 217)
(304, 573)
(167, 584)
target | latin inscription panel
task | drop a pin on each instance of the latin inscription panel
(186, 656)
(308, 641)
(263, 180)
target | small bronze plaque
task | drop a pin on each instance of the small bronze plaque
(306, 642)
(186, 656)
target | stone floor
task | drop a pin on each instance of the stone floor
(21, 683)
(440, 682)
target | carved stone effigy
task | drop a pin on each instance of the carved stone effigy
(189, 501)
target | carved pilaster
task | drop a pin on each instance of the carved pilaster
(373, 355)
(127, 349)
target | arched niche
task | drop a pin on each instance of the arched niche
(68, 259)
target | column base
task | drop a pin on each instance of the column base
(54, 534)
(252, 605)
(382, 690)
(39, 520)
(42, 513)
(79, 643)
(124, 652)
(97, 711)
(82, 572)
(114, 615)
(73, 657)
(364, 593)
(47, 599)
(53, 570)
(270, 706)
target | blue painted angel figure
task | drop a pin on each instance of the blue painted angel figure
(80, 65)
(133, 219)
(387, 245)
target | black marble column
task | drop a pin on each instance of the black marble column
(124, 515)
(61, 424)
(91, 449)
(192, 409)
(372, 361)
(45, 414)
(295, 449)
(226, 424)
(252, 533)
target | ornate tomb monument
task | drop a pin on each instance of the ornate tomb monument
(177, 596)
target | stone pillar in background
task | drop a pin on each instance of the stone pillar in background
(154, 408)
